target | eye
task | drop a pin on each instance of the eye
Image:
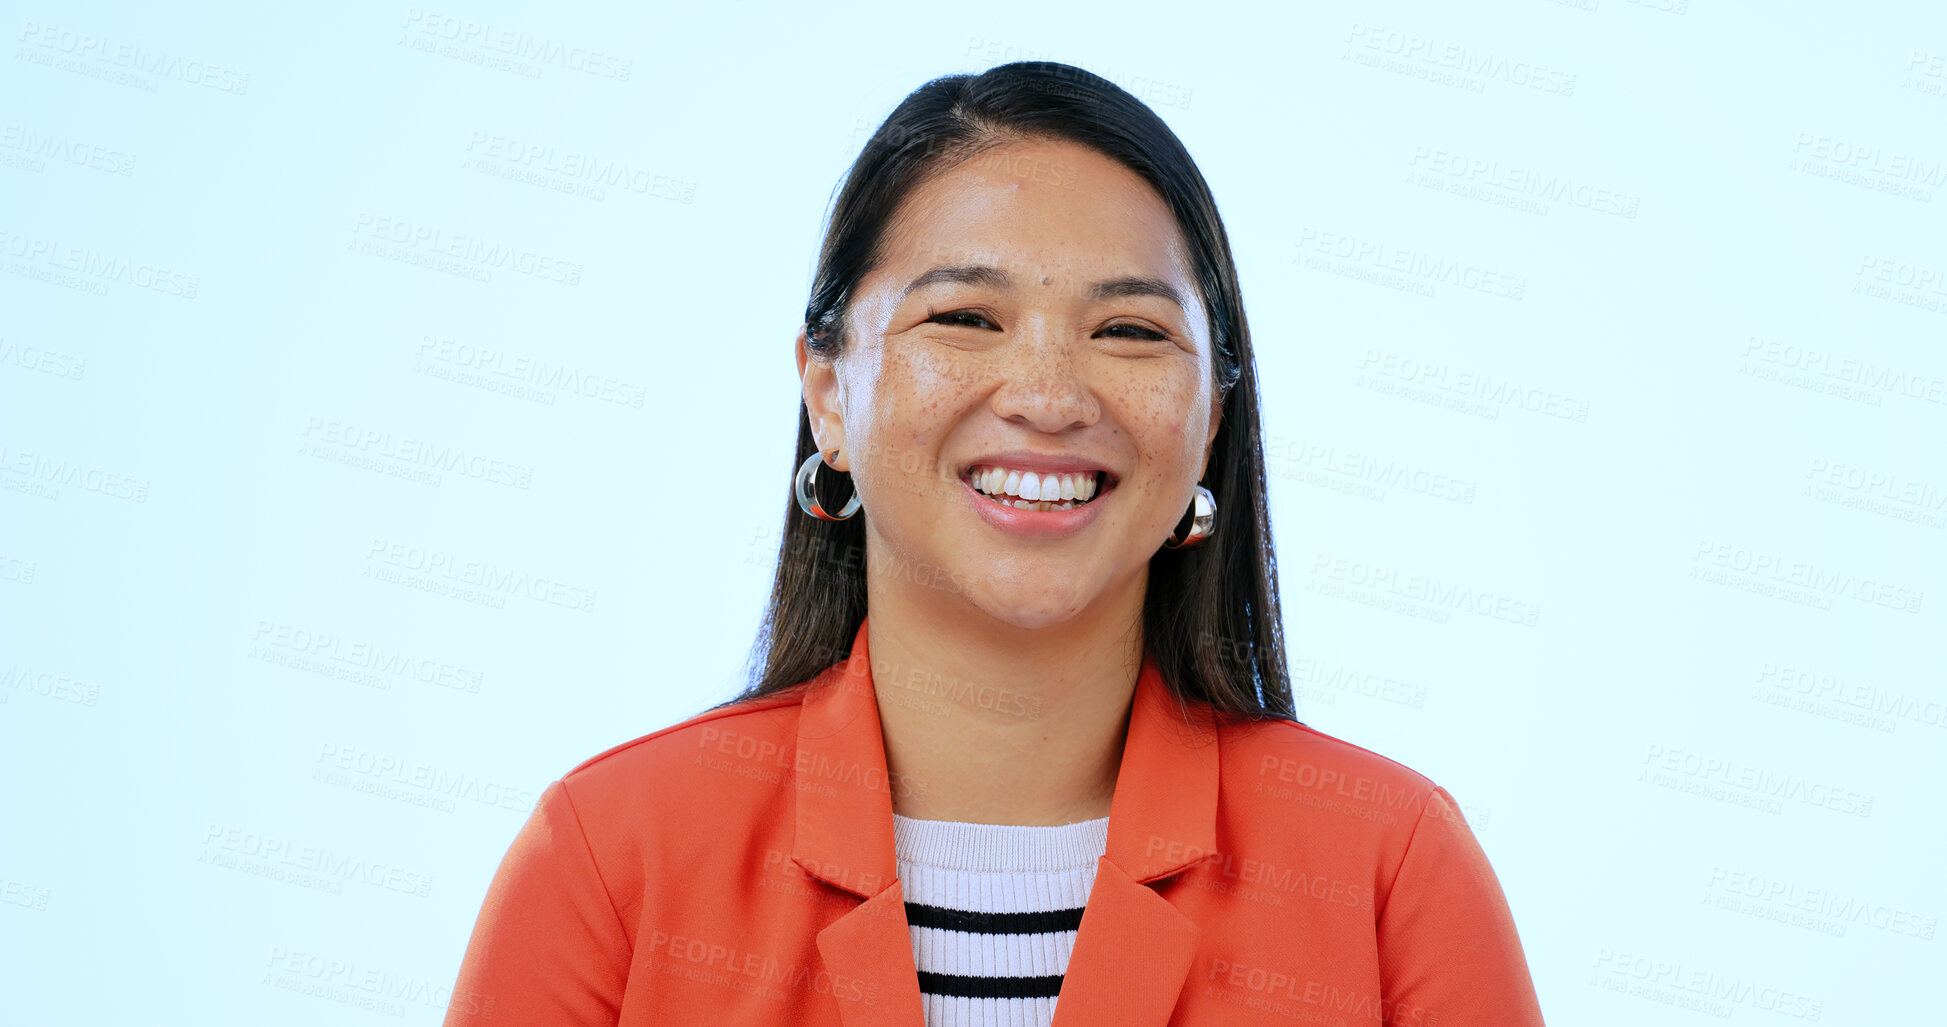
(967, 318)
(1143, 332)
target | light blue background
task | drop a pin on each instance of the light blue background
(1784, 164)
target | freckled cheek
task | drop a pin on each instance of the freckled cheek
(929, 391)
(1161, 420)
(933, 371)
(917, 401)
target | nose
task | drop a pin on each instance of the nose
(1043, 386)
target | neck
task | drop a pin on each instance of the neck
(1000, 724)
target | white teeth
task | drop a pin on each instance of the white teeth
(1032, 490)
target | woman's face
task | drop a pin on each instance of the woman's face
(1034, 309)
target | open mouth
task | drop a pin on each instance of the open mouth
(1041, 493)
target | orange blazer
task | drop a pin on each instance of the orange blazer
(737, 868)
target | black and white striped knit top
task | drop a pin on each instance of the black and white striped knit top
(994, 910)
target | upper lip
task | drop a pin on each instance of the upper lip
(1039, 463)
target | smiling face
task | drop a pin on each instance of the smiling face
(1033, 309)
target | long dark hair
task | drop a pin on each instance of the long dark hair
(1210, 616)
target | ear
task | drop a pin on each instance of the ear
(822, 406)
(1216, 417)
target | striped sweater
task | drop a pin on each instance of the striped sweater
(993, 910)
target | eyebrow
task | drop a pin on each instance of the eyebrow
(988, 276)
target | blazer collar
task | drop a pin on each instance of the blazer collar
(1162, 818)
(1133, 950)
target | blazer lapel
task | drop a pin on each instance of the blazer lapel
(844, 837)
(1133, 949)
(1131, 955)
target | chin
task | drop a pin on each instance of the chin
(1029, 611)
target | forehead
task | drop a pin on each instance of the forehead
(1040, 208)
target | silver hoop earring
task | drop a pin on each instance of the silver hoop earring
(1201, 525)
(806, 477)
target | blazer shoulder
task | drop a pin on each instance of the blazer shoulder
(768, 724)
(1287, 753)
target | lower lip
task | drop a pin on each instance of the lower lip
(1034, 523)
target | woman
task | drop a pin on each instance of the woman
(1064, 781)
